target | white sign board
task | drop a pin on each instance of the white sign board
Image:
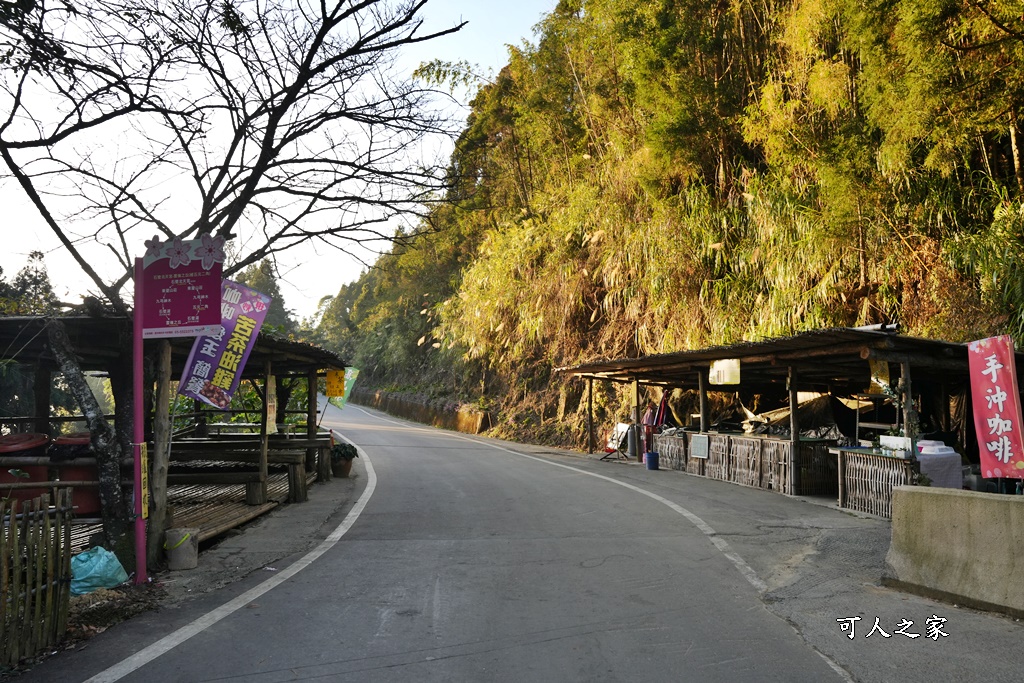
(698, 446)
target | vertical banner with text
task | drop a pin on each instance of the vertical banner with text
(997, 415)
(215, 364)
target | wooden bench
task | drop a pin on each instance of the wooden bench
(292, 452)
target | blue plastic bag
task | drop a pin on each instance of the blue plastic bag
(95, 568)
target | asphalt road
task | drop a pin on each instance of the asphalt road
(459, 558)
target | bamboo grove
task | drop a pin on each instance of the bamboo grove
(652, 176)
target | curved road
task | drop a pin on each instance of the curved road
(470, 561)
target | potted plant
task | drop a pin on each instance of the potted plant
(342, 454)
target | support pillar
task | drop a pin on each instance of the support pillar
(41, 400)
(256, 492)
(909, 414)
(702, 388)
(794, 433)
(590, 415)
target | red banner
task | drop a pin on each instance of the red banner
(996, 398)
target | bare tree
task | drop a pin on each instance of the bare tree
(269, 123)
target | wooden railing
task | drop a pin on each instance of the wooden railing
(35, 576)
(757, 461)
(867, 479)
(671, 451)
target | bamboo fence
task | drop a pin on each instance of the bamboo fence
(35, 575)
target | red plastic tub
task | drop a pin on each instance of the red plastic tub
(85, 499)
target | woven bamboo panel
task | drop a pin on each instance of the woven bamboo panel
(745, 460)
(775, 456)
(35, 575)
(671, 451)
(868, 480)
(694, 465)
(718, 457)
(819, 470)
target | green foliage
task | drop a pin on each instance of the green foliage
(654, 176)
(30, 292)
(343, 451)
(263, 278)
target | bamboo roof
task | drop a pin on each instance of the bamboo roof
(105, 342)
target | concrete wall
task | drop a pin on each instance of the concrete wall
(432, 412)
(964, 546)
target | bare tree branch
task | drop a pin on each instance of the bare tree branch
(276, 123)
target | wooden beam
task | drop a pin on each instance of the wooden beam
(917, 360)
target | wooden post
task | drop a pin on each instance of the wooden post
(311, 414)
(944, 402)
(908, 408)
(41, 396)
(637, 429)
(842, 479)
(794, 436)
(590, 415)
(256, 492)
(159, 460)
(702, 385)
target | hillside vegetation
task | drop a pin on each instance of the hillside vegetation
(655, 176)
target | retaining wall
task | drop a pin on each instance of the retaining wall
(446, 415)
(964, 546)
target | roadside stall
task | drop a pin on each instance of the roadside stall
(899, 392)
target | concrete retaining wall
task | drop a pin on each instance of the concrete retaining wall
(441, 414)
(964, 546)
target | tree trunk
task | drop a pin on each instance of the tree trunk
(160, 458)
(104, 441)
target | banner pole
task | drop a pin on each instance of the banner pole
(138, 428)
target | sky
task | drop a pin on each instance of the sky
(307, 274)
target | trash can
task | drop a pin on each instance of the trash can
(85, 499)
(652, 460)
(27, 445)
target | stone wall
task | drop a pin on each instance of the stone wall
(435, 412)
(964, 546)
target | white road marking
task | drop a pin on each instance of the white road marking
(169, 642)
(723, 546)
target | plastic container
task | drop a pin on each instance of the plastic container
(651, 460)
(182, 548)
(85, 499)
(29, 444)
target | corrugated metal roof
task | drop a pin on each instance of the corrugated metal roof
(827, 358)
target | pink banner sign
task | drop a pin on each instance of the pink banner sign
(215, 365)
(997, 417)
(181, 287)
